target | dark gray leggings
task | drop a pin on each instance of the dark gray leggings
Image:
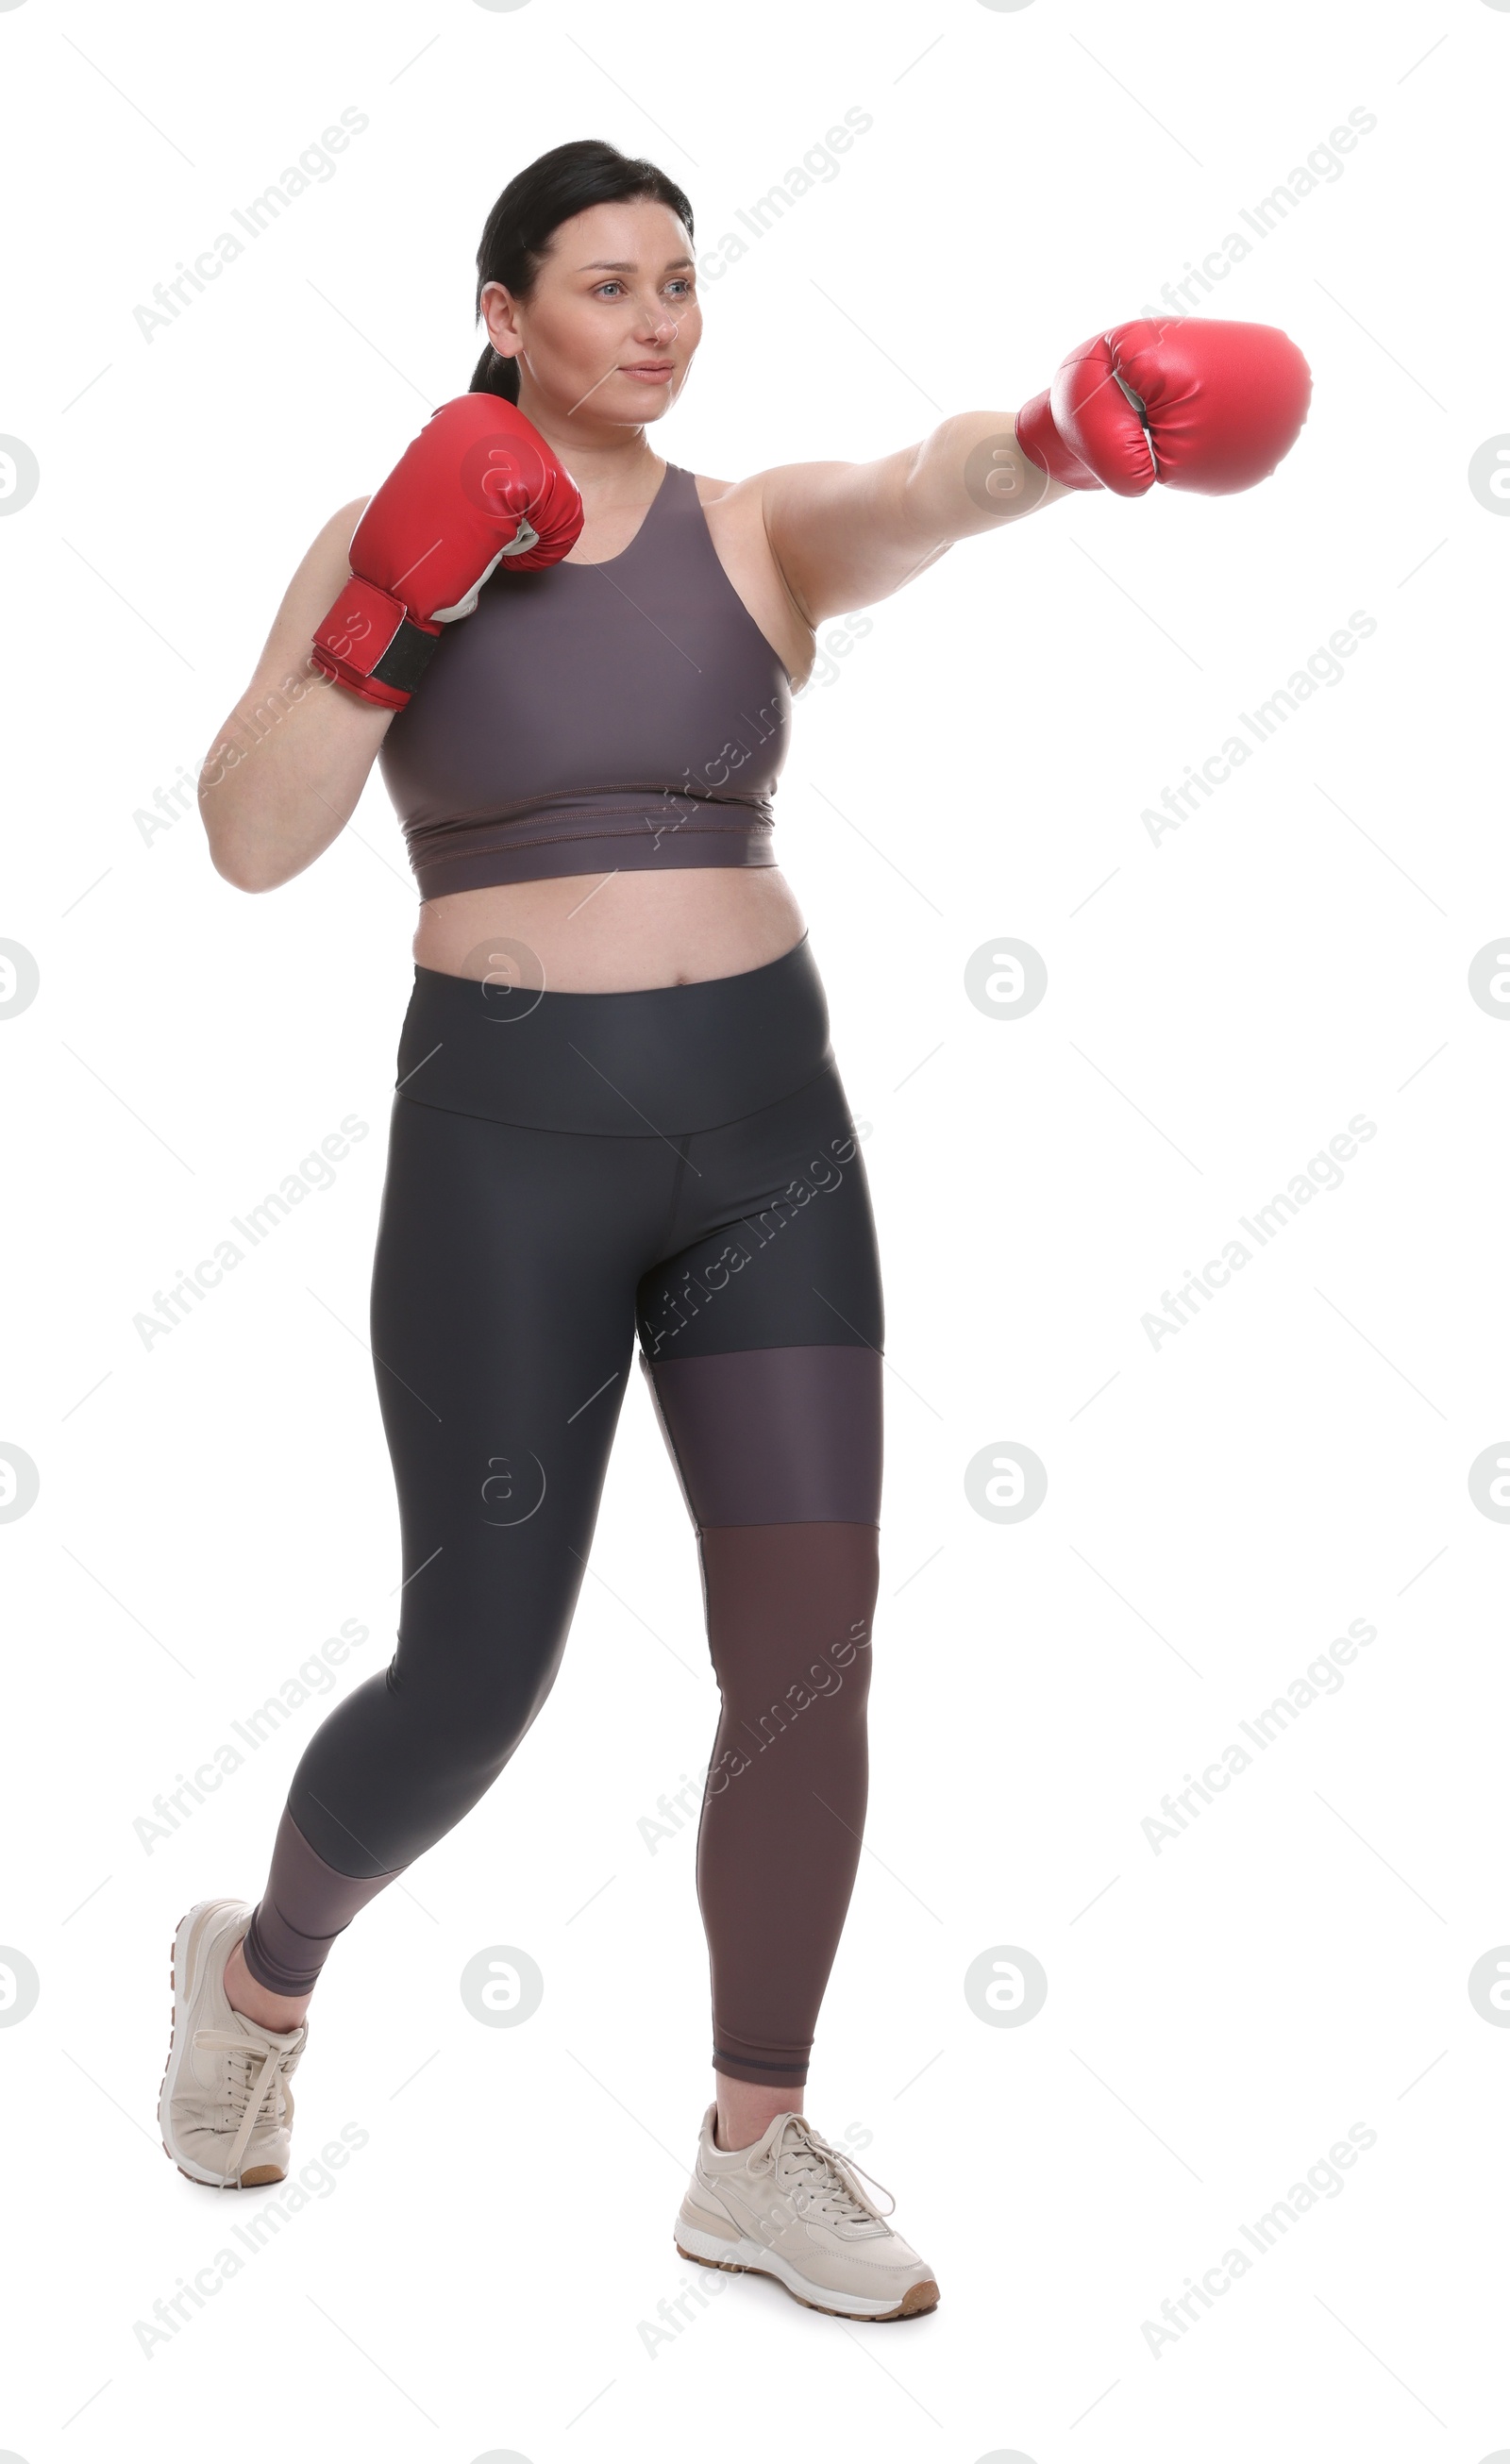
(565, 1169)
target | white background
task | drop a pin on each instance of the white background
(1219, 1004)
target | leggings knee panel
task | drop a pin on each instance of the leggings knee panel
(789, 1621)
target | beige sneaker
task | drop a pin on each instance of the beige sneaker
(792, 2206)
(226, 2105)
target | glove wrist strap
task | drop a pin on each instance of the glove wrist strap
(369, 642)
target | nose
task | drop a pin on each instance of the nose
(655, 323)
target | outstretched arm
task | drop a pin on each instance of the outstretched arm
(845, 534)
(1189, 400)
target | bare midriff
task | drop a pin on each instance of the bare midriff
(612, 933)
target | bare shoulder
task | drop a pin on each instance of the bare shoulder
(735, 512)
(837, 535)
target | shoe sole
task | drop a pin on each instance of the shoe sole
(179, 1963)
(703, 2249)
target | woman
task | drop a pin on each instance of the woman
(617, 1108)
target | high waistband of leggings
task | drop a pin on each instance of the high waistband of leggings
(664, 1062)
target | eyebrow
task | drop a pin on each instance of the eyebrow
(628, 265)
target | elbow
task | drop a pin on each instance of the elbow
(233, 852)
(241, 877)
(244, 872)
(239, 864)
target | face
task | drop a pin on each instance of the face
(605, 338)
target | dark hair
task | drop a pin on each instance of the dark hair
(516, 236)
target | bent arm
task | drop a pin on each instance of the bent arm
(286, 771)
(846, 534)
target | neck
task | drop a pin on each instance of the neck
(611, 465)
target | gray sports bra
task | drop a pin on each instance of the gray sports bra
(595, 718)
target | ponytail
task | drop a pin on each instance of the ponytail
(494, 375)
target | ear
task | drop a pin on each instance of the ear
(498, 316)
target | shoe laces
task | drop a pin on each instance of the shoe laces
(826, 2181)
(257, 2073)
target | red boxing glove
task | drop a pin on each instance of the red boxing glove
(479, 487)
(1189, 401)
